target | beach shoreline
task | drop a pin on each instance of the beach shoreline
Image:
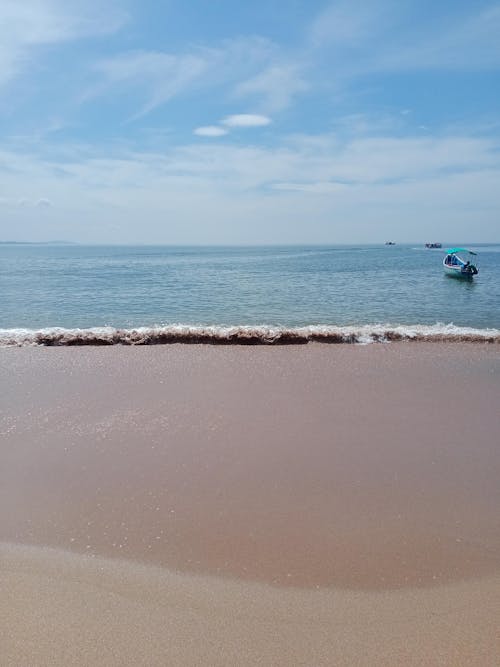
(365, 472)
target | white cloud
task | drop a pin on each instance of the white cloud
(43, 203)
(246, 120)
(210, 131)
(293, 192)
(299, 160)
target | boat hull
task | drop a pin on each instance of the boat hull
(456, 272)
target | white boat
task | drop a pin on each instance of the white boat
(457, 263)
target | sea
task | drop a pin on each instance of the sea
(57, 294)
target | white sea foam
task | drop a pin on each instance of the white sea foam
(245, 335)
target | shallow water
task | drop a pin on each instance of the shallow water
(127, 287)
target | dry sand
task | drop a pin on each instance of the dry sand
(203, 505)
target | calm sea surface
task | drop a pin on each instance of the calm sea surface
(92, 286)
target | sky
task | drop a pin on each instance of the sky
(272, 121)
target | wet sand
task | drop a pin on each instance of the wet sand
(295, 505)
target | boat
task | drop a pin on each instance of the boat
(457, 263)
(433, 245)
(390, 243)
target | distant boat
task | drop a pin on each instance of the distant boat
(455, 265)
(433, 245)
(390, 243)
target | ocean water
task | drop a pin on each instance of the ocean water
(155, 294)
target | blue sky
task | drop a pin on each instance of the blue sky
(264, 122)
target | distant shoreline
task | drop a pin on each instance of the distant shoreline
(39, 243)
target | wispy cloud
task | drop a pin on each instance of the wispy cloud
(43, 203)
(31, 24)
(10, 202)
(351, 25)
(162, 75)
(384, 36)
(317, 188)
(275, 87)
(159, 76)
(246, 120)
(471, 42)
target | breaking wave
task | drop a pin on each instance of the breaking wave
(245, 335)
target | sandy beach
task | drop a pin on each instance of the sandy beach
(228, 505)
